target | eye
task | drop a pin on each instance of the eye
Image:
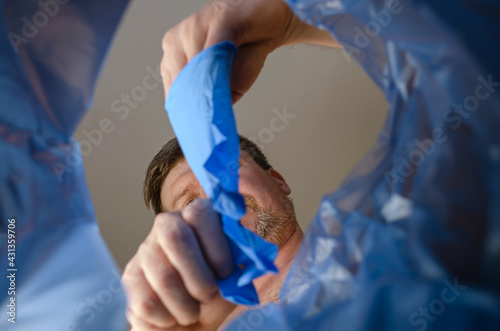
(188, 202)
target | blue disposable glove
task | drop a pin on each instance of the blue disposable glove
(200, 111)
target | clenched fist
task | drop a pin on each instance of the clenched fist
(257, 27)
(171, 280)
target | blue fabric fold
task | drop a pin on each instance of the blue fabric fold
(418, 219)
(200, 110)
(63, 270)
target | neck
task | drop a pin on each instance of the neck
(269, 285)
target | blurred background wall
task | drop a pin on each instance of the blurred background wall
(337, 113)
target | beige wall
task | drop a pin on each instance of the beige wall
(339, 112)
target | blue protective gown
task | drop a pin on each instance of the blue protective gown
(64, 277)
(411, 239)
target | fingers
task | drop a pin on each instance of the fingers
(256, 27)
(173, 60)
(168, 285)
(140, 324)
(180, 45)
(141, 298)
(193, 36)
(213, 242)
(183, 42)
(181, 247)
(173, 274)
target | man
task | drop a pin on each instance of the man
(171, 279)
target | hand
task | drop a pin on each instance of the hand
(257, 27)
(171, 280)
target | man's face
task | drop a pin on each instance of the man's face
(270, 212)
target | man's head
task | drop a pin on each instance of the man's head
(170, 185)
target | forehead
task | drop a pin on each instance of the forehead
(181, 177)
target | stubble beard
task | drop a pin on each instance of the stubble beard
(274, 226)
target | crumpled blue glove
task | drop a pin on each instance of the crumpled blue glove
(200, 110)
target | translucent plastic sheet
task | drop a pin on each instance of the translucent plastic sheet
(201, 113)
(62, 275)
(411, 239)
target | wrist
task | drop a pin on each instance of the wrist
(299, 32)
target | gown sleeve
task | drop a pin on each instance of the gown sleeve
(52, 254)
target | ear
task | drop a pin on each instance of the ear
(280, 181)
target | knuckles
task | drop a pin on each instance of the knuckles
(176, 231)
(190, 319)
(198, 213)
(206, 293)
(131, 274)
(169, 278)
(145, 306)
(184, 29)
(142, 251)
(223, 267)
(167, 40)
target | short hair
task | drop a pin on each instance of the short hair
(168, 157)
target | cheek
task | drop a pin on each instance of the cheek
(251, 182)
(247, 220)
(261, 187)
